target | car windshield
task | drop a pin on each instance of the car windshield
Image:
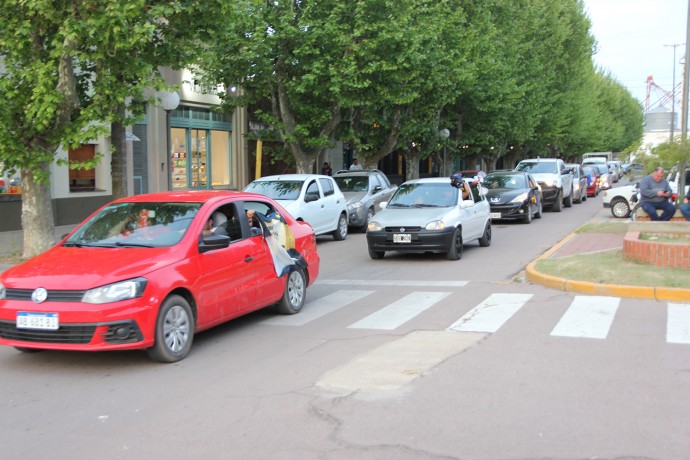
(424, 195)
(602, 169)
(538, 167)
(352, 183)
(151, 225)
(277, 189)
(510, 181)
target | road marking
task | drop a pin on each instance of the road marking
(397, 363)
(318, 308)
(400, 311)
(394, 283)
(587, 317)
(491, 314)
(678, 323)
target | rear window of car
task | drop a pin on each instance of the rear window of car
(276, 189)
(352, 183)
(327, 187)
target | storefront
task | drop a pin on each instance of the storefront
(201, 149)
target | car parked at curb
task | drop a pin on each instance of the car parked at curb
(513, 195)
(579, 182)
(554, 178)
(430, 215)
(621, 200)
(364, 191)
(151, 271)
(592, 176)
(312, 198)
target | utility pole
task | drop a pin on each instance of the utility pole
(673, 90)
(684, 108)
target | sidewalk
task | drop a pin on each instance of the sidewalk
(584, 243)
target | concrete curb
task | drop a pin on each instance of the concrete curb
(585, 287)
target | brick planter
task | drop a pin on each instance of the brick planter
(661, 254)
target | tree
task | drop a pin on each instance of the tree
(67, 75)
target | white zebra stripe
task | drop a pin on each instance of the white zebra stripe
(678, 323)
(400, 311)
(588, 317)
(319, 307)
(394, 283)
(491, 314)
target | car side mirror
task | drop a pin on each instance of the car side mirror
(467, 203)
(383, 204)
(309, 197)
(211, 242)
(377, 188)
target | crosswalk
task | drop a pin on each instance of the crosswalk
(586, 317)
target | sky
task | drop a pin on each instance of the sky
(631, 42)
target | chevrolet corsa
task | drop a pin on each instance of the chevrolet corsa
(150, 271)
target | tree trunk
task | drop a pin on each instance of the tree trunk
(118, 161)
(37, 215)
(412, 163)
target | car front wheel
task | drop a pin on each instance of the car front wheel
(558, 204)
(620, 208)
(455, 250)
(295, 293)
(340, 233)
(174, 330)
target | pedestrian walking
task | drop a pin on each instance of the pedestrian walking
(326, 169)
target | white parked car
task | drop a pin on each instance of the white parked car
(621, 200)
(429, 215)
(312, 198)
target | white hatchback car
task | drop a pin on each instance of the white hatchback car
(429, 215)
(312, 198)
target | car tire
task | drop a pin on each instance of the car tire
(295, 293)
(558, 204)
(370, 214)
(485, 240)
(620, 208)
(174, 331)
(340, 233)
(579, 198)
(528, 216)
(455, 250)
(376, 254)
(540, 210)
(584, 197)
(568, 202)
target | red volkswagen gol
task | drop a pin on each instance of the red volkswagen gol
(149, 271)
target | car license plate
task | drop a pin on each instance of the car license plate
(30, 320)
(402, 238)
(495, 215)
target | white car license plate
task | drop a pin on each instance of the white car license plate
(495, 215)
(402, 238)
(30, 320)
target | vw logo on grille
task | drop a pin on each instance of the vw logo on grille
(39, 295)
(402, 229)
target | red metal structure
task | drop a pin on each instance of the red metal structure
(659, 97)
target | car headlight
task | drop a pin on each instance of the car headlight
(550, 183)
(354, 206)
(2, 291)
(520, 198)
(115, 292)
(435, 225)
(374, 226)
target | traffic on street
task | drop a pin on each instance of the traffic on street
(410, 356)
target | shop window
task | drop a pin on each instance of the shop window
(82, 180)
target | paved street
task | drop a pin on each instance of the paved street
(407, 357)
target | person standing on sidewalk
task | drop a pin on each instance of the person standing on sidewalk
(655, 194)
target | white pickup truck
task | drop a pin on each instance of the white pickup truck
(555, 179)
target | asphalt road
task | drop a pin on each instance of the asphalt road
(409, 357)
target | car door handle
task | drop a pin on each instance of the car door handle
(248, 259)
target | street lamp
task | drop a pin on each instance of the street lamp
(170, 100)
(445, 134)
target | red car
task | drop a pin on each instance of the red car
(592, 180)
(150, 271)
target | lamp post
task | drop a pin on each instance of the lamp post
(673, 90)
(445, 134)
(170, 100)
(257, 128)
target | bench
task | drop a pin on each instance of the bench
(641, 215)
